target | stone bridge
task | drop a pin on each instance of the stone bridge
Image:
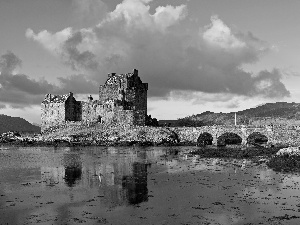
(275, 135)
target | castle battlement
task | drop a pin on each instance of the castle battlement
(122, 100)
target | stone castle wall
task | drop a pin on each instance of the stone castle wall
(53, 114)
(139, 117)
(128, 89)
(91, 111)
(111, 113)
(57, 109)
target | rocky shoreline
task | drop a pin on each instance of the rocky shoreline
(286, 161)
(100, 135)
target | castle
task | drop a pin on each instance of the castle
(122, 100)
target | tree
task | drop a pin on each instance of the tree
(151, 121)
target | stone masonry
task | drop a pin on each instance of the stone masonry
(122, 100)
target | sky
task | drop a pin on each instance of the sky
(196, 55)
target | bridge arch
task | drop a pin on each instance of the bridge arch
(205, 138)
(257, 138)
(229, 138)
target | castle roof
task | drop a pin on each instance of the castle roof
(50, 98)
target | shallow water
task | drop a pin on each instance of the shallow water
(135, 185)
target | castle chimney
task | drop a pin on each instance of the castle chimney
(90, 98)
(135, 72)
(111, 74)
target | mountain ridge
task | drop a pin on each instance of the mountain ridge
(268, 113)
(9, 123)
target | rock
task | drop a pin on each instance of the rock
(289, 151)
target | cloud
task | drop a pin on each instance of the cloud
(19, 90)
(268, 84)
(79, 84)
(76, 58)
(51, 42)
(89, 10)
(71, 46)
(219, 100)
(135, 14)
(219, 34)
(169, 55)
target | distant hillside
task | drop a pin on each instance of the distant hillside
(278, 112)
(278, 109)
(36, 124)
(8, 123)
(172, 123)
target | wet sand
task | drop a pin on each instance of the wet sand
(135, 185)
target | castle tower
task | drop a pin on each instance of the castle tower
(57, 109)
(128, 91)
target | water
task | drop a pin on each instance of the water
(135, 185)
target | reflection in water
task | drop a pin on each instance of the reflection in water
(73, 169)
(68, 172)
(122, 178)
(136, 185)
(159, 185)
(124, 182)
(51, 176)
(71, 175)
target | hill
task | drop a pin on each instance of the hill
(278, 109)
(270, 113)
(8, 123)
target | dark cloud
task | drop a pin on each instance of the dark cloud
(22, 83)
(79, 84)
(268, 84)
(74, 57)
(19, 90)
(9, 62)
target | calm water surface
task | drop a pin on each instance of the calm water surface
(135, 185)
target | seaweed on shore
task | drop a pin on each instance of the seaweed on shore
(285, 163)
(239, 153)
